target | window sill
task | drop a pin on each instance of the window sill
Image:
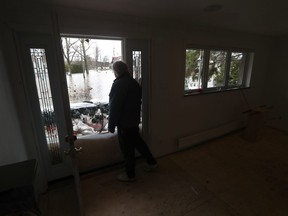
(211, 91)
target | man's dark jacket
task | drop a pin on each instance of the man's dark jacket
(124, 103)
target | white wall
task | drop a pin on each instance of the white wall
(276, 88)
(177, 116)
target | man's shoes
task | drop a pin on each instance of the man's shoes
(150, 167)
(124, 178)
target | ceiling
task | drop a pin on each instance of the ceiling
(256, 16)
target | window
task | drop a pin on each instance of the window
(89, 75)
(212, 70)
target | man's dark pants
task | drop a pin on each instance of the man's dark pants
(129, 140)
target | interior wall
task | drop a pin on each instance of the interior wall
(276, 88)
(22, 139)
(17, 20)
(11, 142)
(177, 116)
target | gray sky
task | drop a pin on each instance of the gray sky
(107, 47)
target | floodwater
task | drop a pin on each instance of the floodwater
(94, 87)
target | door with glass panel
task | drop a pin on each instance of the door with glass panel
(46, 91)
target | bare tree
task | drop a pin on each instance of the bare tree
(84, 49)
(105, 61)
(81, 49)
(97, 56)
(68, 52)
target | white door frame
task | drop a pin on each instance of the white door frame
(142, 45)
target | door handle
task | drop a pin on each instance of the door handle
(78, 149)
(75, 150)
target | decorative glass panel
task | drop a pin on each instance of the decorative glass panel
(137, 68)
(38, 57)
(137, 65)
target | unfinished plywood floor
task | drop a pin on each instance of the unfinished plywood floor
(226, 176)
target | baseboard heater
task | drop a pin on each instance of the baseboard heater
(200, 137)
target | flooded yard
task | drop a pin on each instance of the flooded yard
(95, 87)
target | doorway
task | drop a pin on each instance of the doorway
(88, 67)
(87, 79)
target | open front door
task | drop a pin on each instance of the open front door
(137, 57)
(46, 91)
(41, 79)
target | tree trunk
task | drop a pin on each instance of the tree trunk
(84, 57)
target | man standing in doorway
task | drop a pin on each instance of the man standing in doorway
(124, 113)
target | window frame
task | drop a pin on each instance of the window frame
(248, 57)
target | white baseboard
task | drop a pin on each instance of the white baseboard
(197, 138)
